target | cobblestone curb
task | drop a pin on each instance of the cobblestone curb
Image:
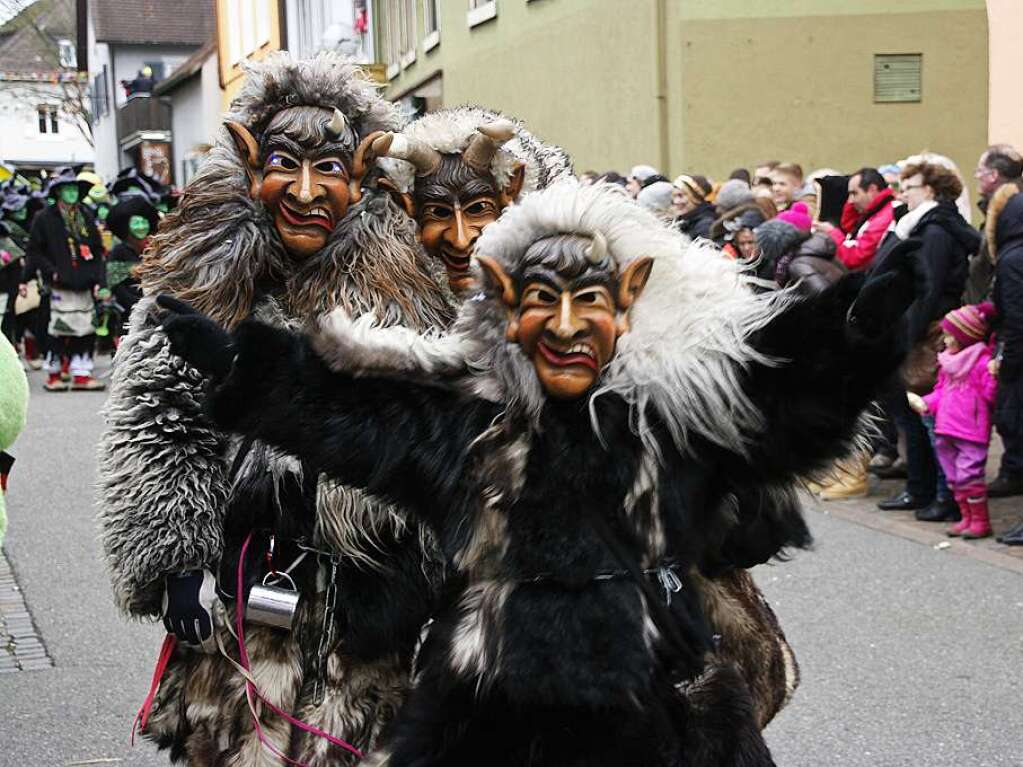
(21, 647)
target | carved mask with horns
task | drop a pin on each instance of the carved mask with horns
(307, 167)
(455, 196)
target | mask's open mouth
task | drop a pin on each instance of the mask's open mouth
(456, 261)
(577, 354)
(317, 216)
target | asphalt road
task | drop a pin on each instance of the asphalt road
(909, 655)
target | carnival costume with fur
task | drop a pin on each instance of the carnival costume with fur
(571, 525)
(177, 495)
(442, 166)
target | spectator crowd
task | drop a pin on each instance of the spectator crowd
(963, 376)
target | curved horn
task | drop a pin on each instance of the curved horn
(424, 157)
(485, 143)
(596, 254)
(337, 124)
(382, 144)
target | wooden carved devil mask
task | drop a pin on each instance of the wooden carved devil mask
(307, 167)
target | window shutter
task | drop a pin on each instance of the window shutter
(897, 78)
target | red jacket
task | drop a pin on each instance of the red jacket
(857, 248)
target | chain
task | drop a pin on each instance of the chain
(326, 632)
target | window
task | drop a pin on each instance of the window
(407, 19)
(66, 52)
(100, 95)
(48, 122)
(480, 11)
(395, 34)
(430, 25)
(898, 78)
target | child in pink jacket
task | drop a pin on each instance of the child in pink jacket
(962, 403)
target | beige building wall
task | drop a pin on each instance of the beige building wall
(708, 85)
(802, 88)
(579, 73)
(1005, 29)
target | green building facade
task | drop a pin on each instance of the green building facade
(705, 85)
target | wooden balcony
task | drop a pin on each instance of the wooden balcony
(143, 117)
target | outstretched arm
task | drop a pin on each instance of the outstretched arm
(402, 441)
(836, 350)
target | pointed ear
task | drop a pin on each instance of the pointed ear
(402, 199)
(500, 278)
(511, 192)
(249, 151)
(632, 281)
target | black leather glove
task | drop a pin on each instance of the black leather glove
(196, 338)
(886, 295)
(188, 608)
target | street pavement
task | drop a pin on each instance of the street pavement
(909, 653)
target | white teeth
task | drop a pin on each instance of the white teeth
(580, 349)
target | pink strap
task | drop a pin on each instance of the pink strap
(251, 689)
(166, 650)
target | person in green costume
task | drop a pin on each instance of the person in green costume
(13, 410)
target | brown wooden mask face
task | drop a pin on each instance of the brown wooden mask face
(568, 327)
(452, 206)
(307, 184)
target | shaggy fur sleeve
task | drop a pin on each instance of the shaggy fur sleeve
(398, 440)
(825, 377)
(162, 486)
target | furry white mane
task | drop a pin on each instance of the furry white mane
(449, 130)
(680, 362)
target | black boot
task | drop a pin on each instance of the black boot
(942, 510)
(904, 502)
(1005, 485)
(1013, 537)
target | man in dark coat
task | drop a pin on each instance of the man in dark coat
(1005, 243)
(1000, 164)
(66, 250)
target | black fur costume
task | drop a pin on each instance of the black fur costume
(555, 644)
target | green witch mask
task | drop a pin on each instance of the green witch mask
(139, 227)
(68, 194)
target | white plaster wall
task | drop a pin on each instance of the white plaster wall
(20, 139)
(1005, 107)
(104, 129)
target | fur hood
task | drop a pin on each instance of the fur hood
(995, 207)
(449, 130)
(327, 80)
(219, 248)
(681, 361)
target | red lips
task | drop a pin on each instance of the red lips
(565, 360)
(295, 218)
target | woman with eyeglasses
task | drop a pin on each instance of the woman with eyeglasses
(929, 191)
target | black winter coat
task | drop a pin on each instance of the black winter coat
(698, 221)
(532, 658)
(1008, 292)
(947, 241)
(66, 261)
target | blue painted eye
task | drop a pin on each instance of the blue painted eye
(330, 166)
(280, 161)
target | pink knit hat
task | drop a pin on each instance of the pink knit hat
(969, 324)
(798, 215)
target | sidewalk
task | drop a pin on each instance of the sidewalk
(1005, 513)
